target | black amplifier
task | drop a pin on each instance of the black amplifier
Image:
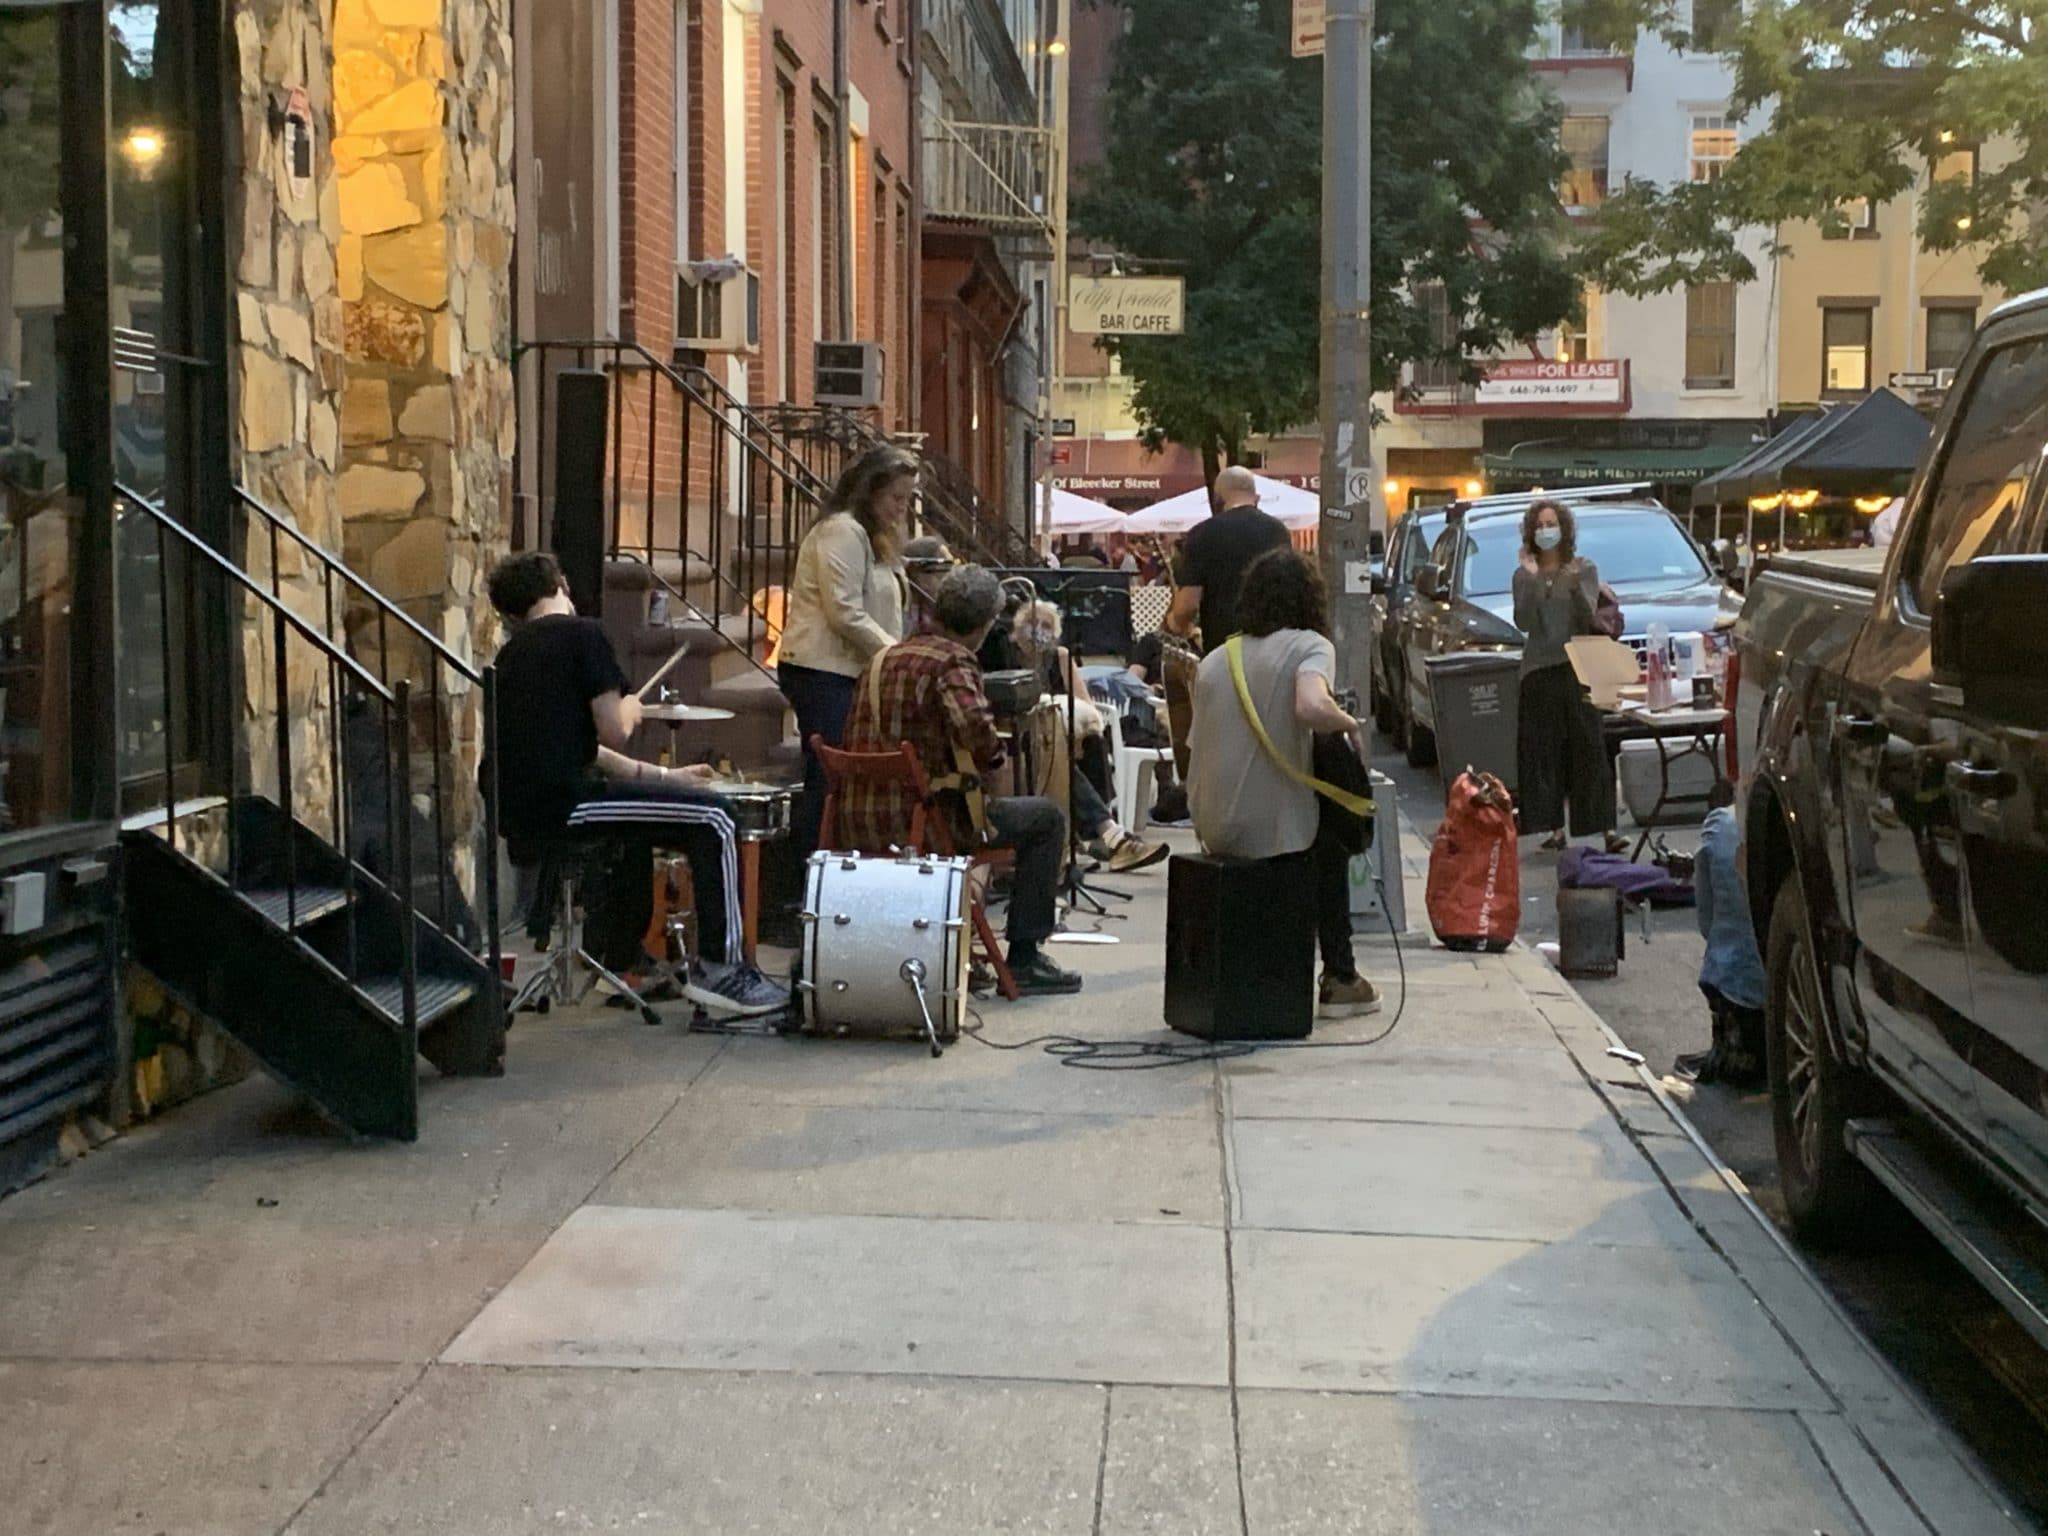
(1012, 694)
(1240, 948)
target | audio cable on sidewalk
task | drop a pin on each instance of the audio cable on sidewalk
(1153, 1055)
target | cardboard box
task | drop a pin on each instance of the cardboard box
(1605, 666)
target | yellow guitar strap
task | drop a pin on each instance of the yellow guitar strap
(1357, 805)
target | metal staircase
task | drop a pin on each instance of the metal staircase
(313, 905)
(829, 439)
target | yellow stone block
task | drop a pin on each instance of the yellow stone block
(351, 150)
(433, 58)
(411, 265)
(416, 104)
(407, 13)
(366, 412)
(433, 180)
(348, 267)
(404, 48)
(374, 200)
(353, 23)
(361, 79)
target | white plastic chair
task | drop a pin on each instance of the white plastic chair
(1137, 771)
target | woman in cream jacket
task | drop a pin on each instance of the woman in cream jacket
(845, 603)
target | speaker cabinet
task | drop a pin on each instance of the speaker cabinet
(582, 399)
(1240, 948)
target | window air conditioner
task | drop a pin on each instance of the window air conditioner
(718, 307)
(849, 373)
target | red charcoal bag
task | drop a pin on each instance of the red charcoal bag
(1475, 883)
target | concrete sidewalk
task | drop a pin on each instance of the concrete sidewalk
(1470, 1280)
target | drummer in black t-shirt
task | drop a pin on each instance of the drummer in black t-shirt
(565, 716)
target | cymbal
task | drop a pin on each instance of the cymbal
(683, 714)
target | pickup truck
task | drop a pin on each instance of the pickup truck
(1891, 719)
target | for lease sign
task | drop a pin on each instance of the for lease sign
(1538, 381)
(1127, 306)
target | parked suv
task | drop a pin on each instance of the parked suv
(1892, 708)
(1462, 599)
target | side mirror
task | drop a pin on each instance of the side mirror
(1381, 586)
(1429, 583)
(1727, 560)
(1988, 638)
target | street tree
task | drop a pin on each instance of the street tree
(1212, 170)
(1854, 99)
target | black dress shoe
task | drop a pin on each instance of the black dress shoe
(1039, 977)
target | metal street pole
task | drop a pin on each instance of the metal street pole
(1347, 334)
(1052, 365)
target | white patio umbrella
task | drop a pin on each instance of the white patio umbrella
(1073, 515)
(1294, 507)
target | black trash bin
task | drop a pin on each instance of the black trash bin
(1475, 696)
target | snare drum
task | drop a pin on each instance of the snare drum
(759, 812)
(864, 919)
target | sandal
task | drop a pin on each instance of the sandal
(1616, 843)
(1553, 843)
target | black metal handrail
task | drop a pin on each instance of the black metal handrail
(349, 685)
(742, 498)
(443, 665)
(948, 503)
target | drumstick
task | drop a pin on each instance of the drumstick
(666, 668)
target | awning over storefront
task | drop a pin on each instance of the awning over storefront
(1561, 467)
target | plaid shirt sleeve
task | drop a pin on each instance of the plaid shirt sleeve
(969, 720)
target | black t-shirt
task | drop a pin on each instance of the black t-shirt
(548, 672)
(1215, 558)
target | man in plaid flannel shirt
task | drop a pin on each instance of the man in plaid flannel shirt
(927, 691)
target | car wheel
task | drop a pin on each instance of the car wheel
(1383, 705)
(1830, 1197)
(1397, 712)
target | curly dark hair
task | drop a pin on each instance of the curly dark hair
(517, 582)
(1568, 546)
(1282, 590)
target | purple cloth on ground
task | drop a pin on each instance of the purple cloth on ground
(1591, 868)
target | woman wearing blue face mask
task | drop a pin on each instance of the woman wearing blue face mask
(1560, 756)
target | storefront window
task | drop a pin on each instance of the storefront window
(39, 514)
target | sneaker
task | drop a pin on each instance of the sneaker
(1346, 997)
(734, 991)
(1039, 977)
(1135, 853)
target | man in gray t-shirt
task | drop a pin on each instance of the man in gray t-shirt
(1244, 805)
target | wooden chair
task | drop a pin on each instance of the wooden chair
(928, 831)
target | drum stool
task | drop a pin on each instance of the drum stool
(568, 970)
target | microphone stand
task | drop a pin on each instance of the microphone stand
(1080, 894)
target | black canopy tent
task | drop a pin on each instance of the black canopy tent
(1847, 453)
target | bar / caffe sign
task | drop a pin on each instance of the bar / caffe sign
(1127, 306)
